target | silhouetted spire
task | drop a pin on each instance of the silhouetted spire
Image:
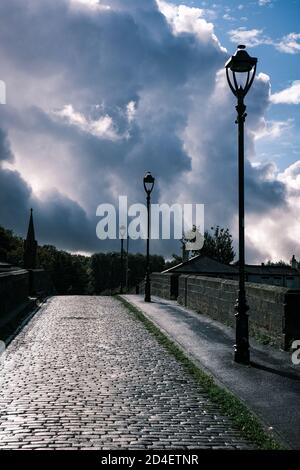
(30, 246)
(294, 262)
(30, 231)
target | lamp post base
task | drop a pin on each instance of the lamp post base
(147, 296)
(241, 355)
(241, 347)
(147, 289)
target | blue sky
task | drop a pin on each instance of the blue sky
(274, 20)
(100, 91)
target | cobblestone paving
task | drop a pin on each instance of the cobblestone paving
(85, 374)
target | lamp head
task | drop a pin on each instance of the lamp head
(242, 67)
(148, 182)
(241, 61)
(122, 231)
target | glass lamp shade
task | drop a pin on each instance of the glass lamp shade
(240, 72)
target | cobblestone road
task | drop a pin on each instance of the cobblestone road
(85, 374)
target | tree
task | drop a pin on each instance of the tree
(76, 274)
(173, 262)
(11, 247)
(69, 273)
(105, 270)
(277, 263)
(293, 262)
(218, 245)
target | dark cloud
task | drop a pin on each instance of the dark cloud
(96, 97)
(261, 193)
(14, 197)
(5, 150)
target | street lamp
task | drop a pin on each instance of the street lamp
(127, 266)
(122, 236)
(240, 73)
(112, 257)
(148, 186)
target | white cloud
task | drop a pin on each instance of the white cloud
(289, 43)
(276, 235)
(102, 127)
(228, 17)
(185, 19)
(272, 129)
(131, 111)
(290, 95)
(264, 2)
(95, 5)
(249, 37)
(291, 176)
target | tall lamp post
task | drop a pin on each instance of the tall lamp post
(240, 73)
(148, 186)
(127, 265)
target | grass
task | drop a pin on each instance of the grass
(262, 337)
(248, 424)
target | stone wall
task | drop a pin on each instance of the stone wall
(160, 285)
(14, 288)
(273, 311)
(40, 283)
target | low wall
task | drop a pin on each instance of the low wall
(40, 283)
(273, 311)
(162, 285)
(14, 288)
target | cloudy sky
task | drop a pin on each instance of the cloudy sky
(100, 91)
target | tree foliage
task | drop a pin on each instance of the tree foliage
(176, 259)
(11, 247)
(106, 272)
(218, 245)
(277, 263)
(76, 274)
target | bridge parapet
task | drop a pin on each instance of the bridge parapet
(273, 311)
(16, 287)
(273, 314)
(162, 285)
(14, 290)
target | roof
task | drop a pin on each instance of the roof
(204, 265)
(266, 270)
(7, 267)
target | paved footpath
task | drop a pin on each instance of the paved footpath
(85, 374)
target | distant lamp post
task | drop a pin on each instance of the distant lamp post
(127, 265)
(148, 186)
(122, 236)
(240, 72)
